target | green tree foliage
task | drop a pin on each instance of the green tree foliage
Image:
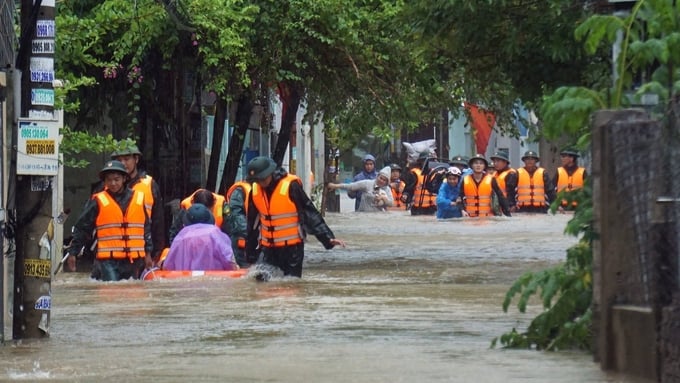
(221, 32)
(102, 47)
(382, 80)
(565, 291)
(353, 62)
(647, 64)
(500, 51)
(356, 64)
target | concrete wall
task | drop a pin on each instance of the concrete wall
(625, 317)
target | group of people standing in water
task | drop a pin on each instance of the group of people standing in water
(266, 217)
(466, 187)
(262, 219)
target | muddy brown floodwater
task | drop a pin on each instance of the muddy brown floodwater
(410, 299)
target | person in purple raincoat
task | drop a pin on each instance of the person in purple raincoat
(200, 245)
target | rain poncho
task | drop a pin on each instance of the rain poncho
(200, 246)
(446, 195)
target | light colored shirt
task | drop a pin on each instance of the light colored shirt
(369, 189)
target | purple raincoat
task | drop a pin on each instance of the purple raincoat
(200, 246)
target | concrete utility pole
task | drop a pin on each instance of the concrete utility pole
(36, 147)
(7, 60)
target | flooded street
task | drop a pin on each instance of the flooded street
(409, 300)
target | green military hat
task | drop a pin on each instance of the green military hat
(531, 154)
(112, 166)
(260, 167)
(570, 152)
(126, 151)
(459, 160)
(478, 157)
(501, 156)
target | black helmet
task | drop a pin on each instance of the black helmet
(260, 167)
(395, 167)
(478, 157)
(501, 156)
(459, 160)
(531, 154)
(112, 166)
(126, 151)
(570, 152)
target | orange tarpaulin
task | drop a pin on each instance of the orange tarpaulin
(482, 123)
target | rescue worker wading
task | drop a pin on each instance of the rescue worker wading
(506, 177)
(535, 191)
(415, 195)
(478, 191)
(122, 224)
(238, 196)
(397, 187)
(569, 176)
(280, 215)
(153, 200)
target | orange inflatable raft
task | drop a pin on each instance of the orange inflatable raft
(155, 273)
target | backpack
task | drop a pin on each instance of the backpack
(435, 177)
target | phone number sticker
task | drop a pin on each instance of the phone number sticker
(39, 268)
(40, 147)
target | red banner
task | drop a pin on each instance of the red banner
(482, 124)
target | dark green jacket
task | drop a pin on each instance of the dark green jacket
(84, 228)
(310, 218)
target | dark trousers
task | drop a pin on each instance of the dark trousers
(532, 209)
(240, 257)
(431, 210)
(287, 258)
(117, 269)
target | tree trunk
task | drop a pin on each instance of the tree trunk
(291, 94)
(243, 113)
(216, 148)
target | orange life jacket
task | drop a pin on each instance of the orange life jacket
(478, 197)
(396, 195)
(144, 186)
(217, 209)
(422, 198)
(120, 236)
(246, 196)
(500, 179)
(530, 189)
(279, 219)
(569, 182)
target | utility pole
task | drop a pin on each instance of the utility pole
(35, 144)
(7, 60)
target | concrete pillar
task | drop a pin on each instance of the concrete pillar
(33, 204)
